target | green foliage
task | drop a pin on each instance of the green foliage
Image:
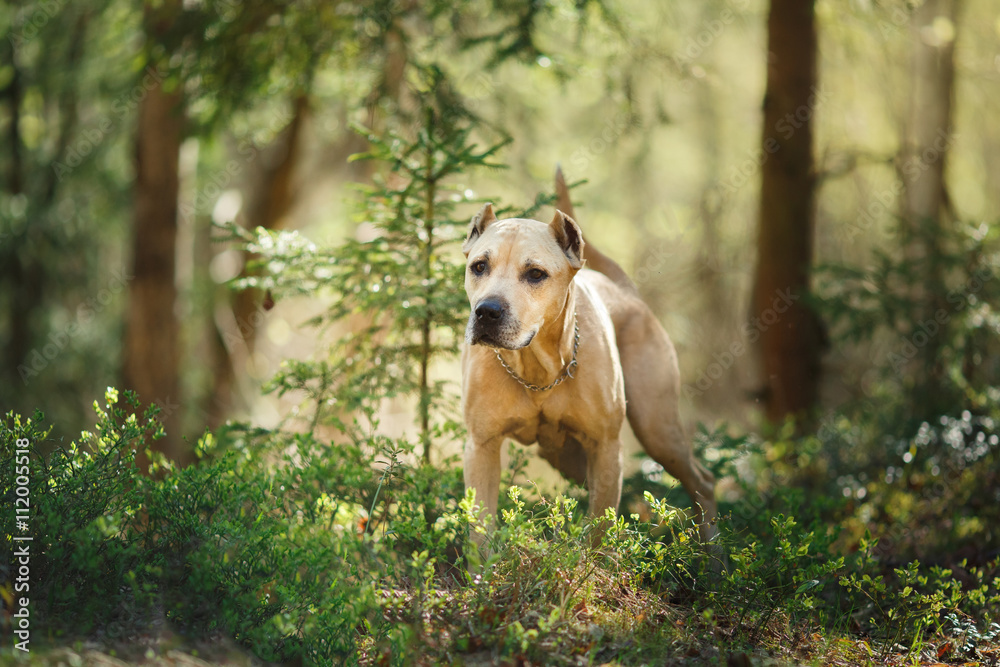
(303, 549)
(932, 319)
(909, 607)
(969, 639)
(916, 456)
(269, 539)
(84, 500)
(905, 472)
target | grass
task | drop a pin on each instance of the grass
(279, 547)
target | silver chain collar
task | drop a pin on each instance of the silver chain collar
(567, 371)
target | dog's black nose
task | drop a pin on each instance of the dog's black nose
(489, 309)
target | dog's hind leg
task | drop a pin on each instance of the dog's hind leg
(652, 390)
(666, 444)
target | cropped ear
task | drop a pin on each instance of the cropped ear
(569, 237)
(478, 225)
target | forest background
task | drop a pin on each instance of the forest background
(806, 194)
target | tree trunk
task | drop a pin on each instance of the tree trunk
(928, 137)
(152, 347)
(789, 331)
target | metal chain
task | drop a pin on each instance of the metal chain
(567, 372)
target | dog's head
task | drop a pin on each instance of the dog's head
(517, 276)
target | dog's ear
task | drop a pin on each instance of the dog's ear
(478, 225)
(569, 237)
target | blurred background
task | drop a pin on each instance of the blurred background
(805, 193)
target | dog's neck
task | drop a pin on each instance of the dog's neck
(550, 350)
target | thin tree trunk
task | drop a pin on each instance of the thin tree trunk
(928, 138)
(789, 330)
(152, 347)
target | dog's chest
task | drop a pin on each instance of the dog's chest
(550, 426)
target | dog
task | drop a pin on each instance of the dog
(560, 349)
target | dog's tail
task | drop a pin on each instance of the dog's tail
(595, 258)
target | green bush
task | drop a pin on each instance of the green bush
(88, 567)
(304, 549)
(271, 538)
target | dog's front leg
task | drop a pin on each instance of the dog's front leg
(604, 479)
(482, 474)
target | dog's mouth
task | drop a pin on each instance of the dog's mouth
(477, 335)
(517, 346)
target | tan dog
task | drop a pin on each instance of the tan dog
(559, 354)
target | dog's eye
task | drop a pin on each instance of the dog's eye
(479, 267)
(537, 275)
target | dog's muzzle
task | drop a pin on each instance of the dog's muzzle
(492, 324)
